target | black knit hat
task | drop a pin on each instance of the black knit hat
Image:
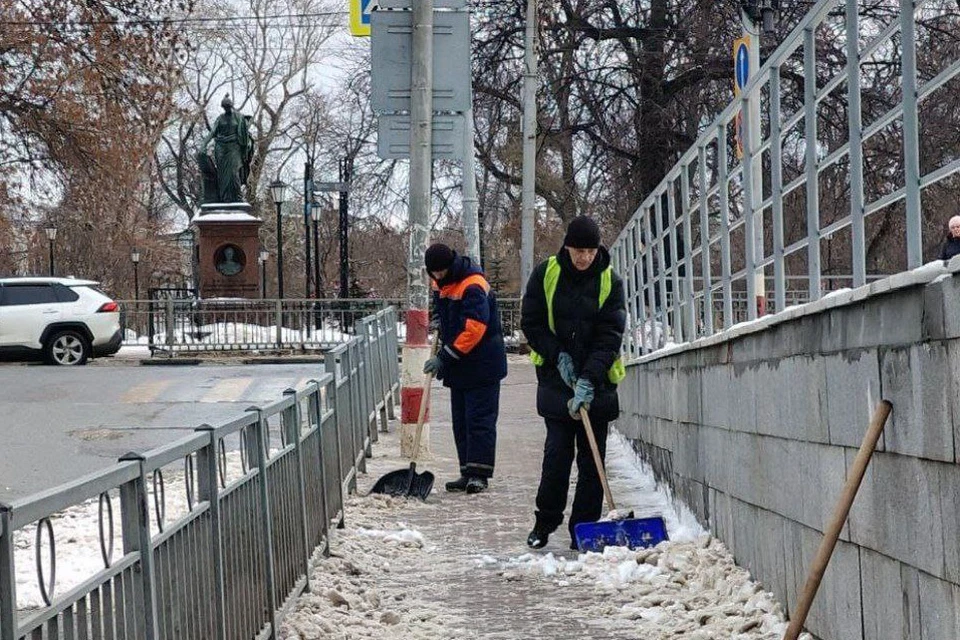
(439, 257)
(583, 233)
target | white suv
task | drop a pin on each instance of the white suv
(65, 320)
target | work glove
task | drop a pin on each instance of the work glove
(434, 366)
(565, 367)
(582, 397)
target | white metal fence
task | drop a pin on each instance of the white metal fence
(704, 207)
(259, 494)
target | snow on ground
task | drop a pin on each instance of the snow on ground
(634, 489)
(76, 534)
(352, 593)
(387, 580)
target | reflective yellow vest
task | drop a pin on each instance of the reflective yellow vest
(617, 372)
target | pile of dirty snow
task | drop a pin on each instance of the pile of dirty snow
(691, 590)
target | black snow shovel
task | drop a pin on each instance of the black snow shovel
(407, 482)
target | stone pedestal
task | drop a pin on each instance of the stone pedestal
(228, 242)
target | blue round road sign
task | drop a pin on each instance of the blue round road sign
(742, 66)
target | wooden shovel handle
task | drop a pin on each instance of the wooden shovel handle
(840, 513)
(597, 460)
(424, 401)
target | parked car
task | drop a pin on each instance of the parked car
(66, 321)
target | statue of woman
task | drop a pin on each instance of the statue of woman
(232, 149)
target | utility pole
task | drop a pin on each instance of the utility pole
(416, 348)
(751, 14)
(529, 145)
(471, 221)
(307, 196)
(344, 229)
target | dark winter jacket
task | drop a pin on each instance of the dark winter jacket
(466, 308)
(591, 335)
(950, 248)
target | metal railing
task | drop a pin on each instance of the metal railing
(249, 325)
(257, 493)
(190, 325)
(704, 207)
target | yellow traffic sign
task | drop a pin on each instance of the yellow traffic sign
(360, 16)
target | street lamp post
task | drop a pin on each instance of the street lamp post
(262, 258)
(51, 236)
(316, 214)
(135, 257)
(279, 192)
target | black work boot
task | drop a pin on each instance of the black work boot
(476, 485)
(538, 538)
(459, 485)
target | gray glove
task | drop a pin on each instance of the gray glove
(434, 366)
(582, 397)
(565, 367)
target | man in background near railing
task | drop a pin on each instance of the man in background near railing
(574, 316)
(951, 246)
(471, 362)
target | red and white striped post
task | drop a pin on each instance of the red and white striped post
(416, 351)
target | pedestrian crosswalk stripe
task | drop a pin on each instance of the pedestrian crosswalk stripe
(145, 392)
(228, 390)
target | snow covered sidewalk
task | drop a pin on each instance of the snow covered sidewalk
(457, 566)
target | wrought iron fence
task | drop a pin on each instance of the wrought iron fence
(250, 506)
(247, 325)
(704, 207)
(189, 325)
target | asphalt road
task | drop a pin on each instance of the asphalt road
(60, 423)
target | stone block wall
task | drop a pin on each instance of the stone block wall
(755, 431)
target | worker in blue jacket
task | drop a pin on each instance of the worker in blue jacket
(471, 362)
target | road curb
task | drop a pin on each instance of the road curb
(170, 362)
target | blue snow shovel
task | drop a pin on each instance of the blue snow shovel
(626, 532)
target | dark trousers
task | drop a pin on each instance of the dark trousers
(475, 414)
(566, 439)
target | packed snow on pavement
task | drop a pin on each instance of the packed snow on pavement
(381, 580)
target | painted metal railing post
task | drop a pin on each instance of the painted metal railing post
(291, 423)
(661, 262)
(704, 187)
(636, 274)
(330, 364)
(210, 492)
(383, 343)
(650, 283)
(266, 520)
(358, 402)
(855, 128)
(749, 208)
(8, 576)
(812, 169)
(675, 262)
(723, 177)
(776, 189)
(315, 407)
(689, 297)
(135, 525)
(911, 131)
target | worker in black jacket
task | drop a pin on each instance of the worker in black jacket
(573, 317)
(471, 363)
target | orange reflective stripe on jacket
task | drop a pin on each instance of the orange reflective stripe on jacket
(456, 290)
(470, 337)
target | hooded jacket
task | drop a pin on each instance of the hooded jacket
(590, 334)
(473, 352)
